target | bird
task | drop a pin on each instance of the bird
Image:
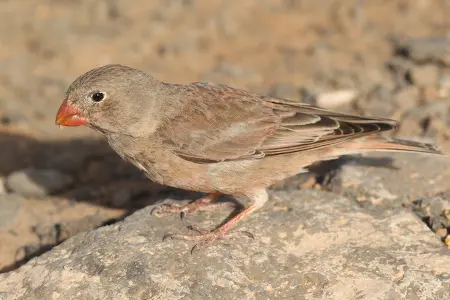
(216, 139)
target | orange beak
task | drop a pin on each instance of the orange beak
(69, 115)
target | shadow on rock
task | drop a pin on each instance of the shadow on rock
(79, 169)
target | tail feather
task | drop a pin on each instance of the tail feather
(398, 145)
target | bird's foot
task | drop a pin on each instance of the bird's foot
(202, 204)
(205, 237)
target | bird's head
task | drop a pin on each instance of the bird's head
(112, 98)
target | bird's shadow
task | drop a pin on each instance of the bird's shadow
(102, 178)
(98, 173)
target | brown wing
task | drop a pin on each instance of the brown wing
(219, 123)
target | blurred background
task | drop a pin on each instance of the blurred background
(386, 58)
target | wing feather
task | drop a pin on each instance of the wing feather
(219, 123)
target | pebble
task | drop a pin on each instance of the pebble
(9, 208)
(336, 98)
(442, 232)
(37, 182)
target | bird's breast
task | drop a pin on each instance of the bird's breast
(162, 165)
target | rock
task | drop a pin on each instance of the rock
(433, 211)
(386, 180)
(335, 99)
(9, 208)
(425, 75)
(428, 120)
(442, 232)
(55, 233)
(421, 50)
(309, 245)
(37, 182)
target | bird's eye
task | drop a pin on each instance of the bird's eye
(97, 97)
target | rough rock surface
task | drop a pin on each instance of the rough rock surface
(390, 180)
(309, 245)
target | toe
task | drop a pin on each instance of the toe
(166, 209)
(156, 211)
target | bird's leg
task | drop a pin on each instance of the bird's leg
(206, 237)
(203, 203)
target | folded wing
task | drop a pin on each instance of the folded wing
(219, 123)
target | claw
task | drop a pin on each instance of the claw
(196, 247)
(198, 229)
(156, 211)
(247, 233)
(167, 236)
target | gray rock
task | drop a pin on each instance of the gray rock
(55, 233)
(37, 182)
(9, 208)
(436, 49)
(388, 180)
(309, 245)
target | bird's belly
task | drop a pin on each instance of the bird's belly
(168, 169)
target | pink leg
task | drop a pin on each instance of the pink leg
(206, 237)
